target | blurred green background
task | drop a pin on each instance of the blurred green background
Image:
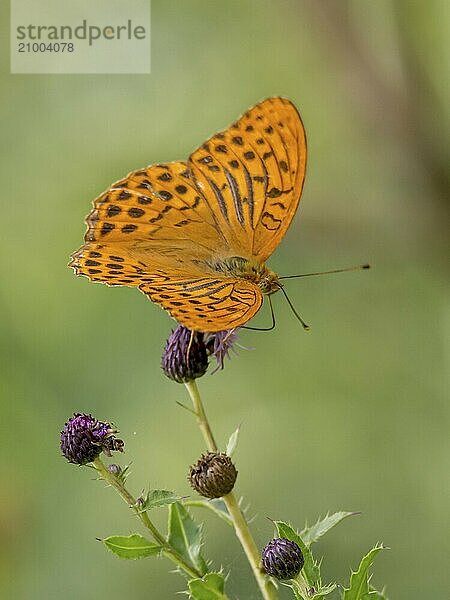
(350, 416)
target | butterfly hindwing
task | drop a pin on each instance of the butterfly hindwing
(107, 263)
(207, 303)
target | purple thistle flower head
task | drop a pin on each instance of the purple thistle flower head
(84, 438)
(185, 356)
(282, 559)
(220, 344)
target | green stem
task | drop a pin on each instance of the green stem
(167, 550)
(240, 524)
(202, 419)
(299, 584)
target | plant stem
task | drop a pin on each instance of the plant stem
(167, 550)
(244, 535)
(240, 524)
(202, 419)
(299, 584)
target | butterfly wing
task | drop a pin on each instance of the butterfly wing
(155, 231)
(203, 303)
(206, 304)
(252, 176)
(159, 204)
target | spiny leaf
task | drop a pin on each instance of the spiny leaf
(210, 587)
(303, 592)
(359, 580)
(156, 498)
(376, 595)
(323, 591)
(313, 533)
(217, 506)
(232, 442)
(185, 536)
(123, 475)
(131, 546)
(310, 571)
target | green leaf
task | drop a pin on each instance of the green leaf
(359, 580)
(217, 506)
(232, 442)
(156, 498)
(303, 592)
(374, 595)
(131, 546)
(323, 591)
(185, 536)
(123, 475)
(310, 571)
(313, 533)
(210, 587)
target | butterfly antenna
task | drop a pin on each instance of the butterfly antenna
(264, 328)
(304, 325)
(356, 268)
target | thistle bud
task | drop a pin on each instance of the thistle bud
(114, 469)
(213, 476)
(140, 503)
(282, 559)
(84, 438)
(184, 357)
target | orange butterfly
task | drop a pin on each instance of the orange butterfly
(194, 236)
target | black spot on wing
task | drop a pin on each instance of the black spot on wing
(270, 222)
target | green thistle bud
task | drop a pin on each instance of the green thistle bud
(213, 476)
(140, 503)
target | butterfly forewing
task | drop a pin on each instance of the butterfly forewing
(252, 175)
(157, 203)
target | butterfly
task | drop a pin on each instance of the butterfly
(194, 235)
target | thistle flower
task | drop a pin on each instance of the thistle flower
(282, 559)
(220, 344)
(213, 476)
(84, 438)
(185, 356)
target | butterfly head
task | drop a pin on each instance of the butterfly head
(269, 282)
